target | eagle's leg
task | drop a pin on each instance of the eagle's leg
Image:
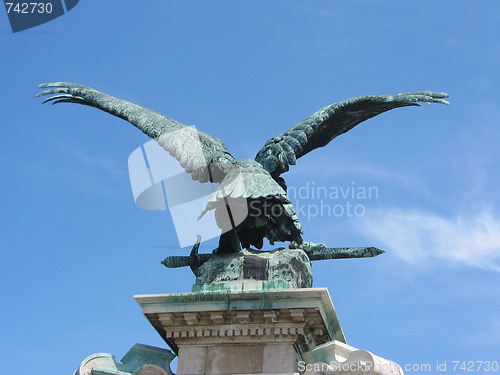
(228, 243)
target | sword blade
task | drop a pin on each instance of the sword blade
(343, 252)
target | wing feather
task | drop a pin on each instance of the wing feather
(205, 157)
(323, 126)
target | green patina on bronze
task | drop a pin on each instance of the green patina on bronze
(271, 215)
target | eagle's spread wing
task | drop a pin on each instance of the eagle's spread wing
(211, 161)
(324, 125)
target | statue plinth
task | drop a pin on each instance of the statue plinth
(254, 270)
(247, 332)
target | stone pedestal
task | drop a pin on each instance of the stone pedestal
(243, 332)
(271, 332)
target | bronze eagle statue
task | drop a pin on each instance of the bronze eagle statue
(255, 185)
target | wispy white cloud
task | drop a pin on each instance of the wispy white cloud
(98, 161)
(72, 151)
(313, 167)
(421, 237)
(318, 12)
(476, 163)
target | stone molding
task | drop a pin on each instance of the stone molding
(277, 322)
(305, 317)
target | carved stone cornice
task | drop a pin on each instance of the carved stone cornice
(303, 317)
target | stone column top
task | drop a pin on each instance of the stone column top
(309, 305)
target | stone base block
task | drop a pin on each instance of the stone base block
(237, 359)
(276, 269)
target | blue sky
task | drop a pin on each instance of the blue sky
(75, 248)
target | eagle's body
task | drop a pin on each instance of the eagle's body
(251, 202)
